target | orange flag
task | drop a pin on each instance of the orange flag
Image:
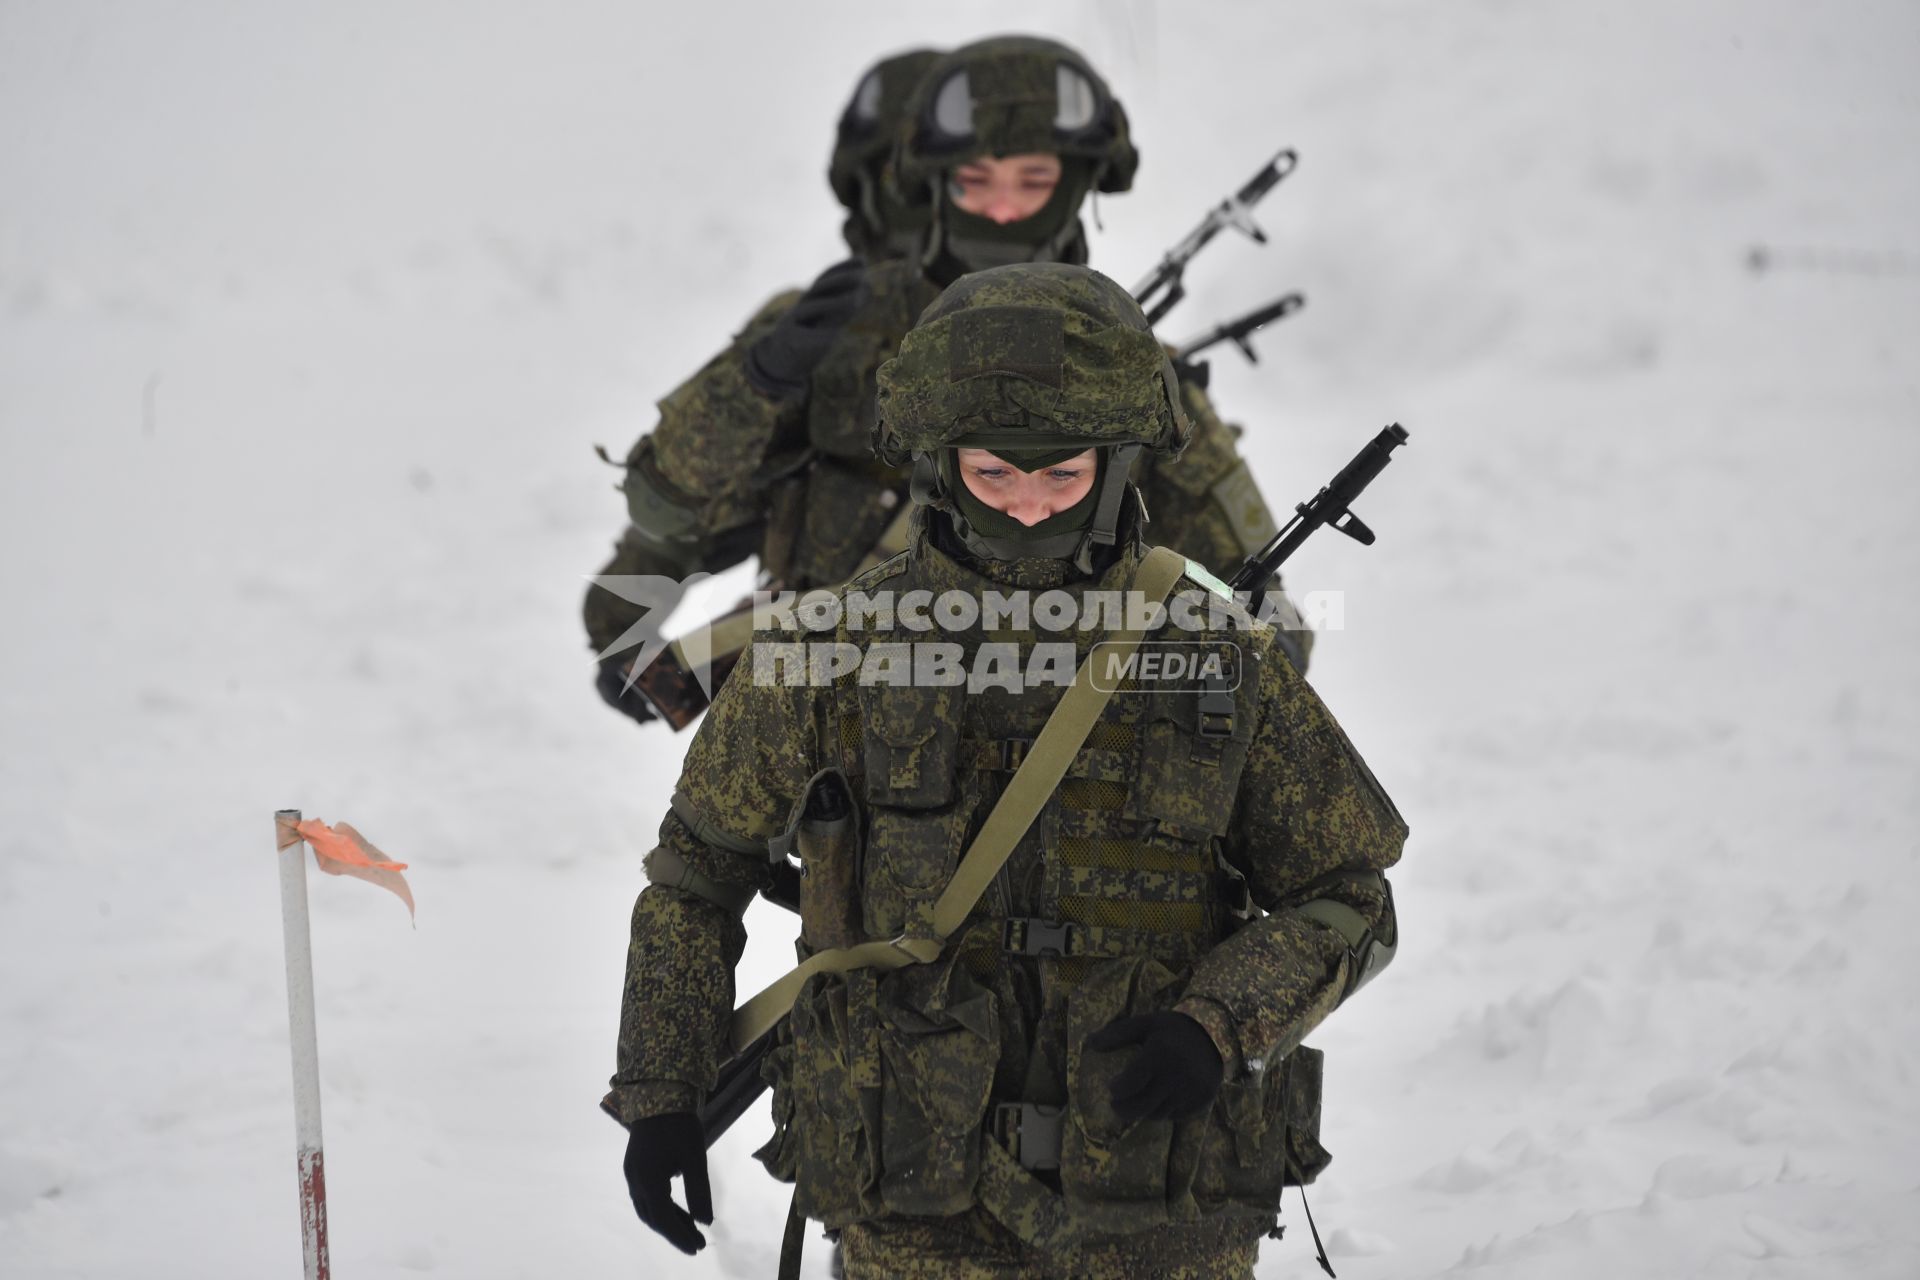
(342, 851)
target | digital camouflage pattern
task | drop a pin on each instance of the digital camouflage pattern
(1040, 346)
(975, 1247)
(733, 472)
(1013, 99)
(795, 481)
(891, 1090)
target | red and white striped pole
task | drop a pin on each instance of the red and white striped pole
(292, 853)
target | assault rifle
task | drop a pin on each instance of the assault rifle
(1332, 506)
(740, 1082)
(1235, 211)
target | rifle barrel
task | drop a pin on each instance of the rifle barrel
(1268, 178)
(1330, 506)
(738, 1088)
(1243, 325)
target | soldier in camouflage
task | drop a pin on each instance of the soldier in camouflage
(1098, 1070)
(883, 220)
(765, 450)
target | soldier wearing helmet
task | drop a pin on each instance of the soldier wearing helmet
(882, 220)
(997, 103)
(1065, 938)
(765, 450)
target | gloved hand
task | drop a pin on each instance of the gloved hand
(611, 681)
(780, 363)
(659, 1147)
(1174, 1073)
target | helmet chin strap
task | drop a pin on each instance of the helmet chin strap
(883, 223)
(1114, 485)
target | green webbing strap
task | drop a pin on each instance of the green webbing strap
(1027, 791)
(664, 866)
(1339, 917)
(752, 1019)
(1368, 951)
(793, 1240)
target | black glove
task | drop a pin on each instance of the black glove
(780, 363)
(659, 1147)
(1175, 1073)
(611, 681)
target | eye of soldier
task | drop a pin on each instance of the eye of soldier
(1006, 188)
(997, 473)
(1041, 177)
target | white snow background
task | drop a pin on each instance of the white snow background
(309, 316)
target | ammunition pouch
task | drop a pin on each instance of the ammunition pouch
(881, 1093)
(1056, 1174)
(824, 833)
(881, 1106)
(917, 810)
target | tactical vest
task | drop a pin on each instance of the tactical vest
(840, 502)
(936, 1088)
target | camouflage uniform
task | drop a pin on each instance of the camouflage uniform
(1218, 854)
(730, 471)
(797, 482)
(975, 1247)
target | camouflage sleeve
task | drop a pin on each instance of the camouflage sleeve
(745, 770)
(715, 429)
(1310, 825)
(1207, 506)
(693, 504)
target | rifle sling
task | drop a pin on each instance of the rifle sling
(1045, 765)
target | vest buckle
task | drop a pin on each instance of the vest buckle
(1216, 714)
(1030, 1133)
(1029, 937)
(1236, 895)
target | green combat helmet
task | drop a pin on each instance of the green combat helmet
(883, 221)
(1012, 95)
(1036, 362)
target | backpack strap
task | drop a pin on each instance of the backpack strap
(1026, 793)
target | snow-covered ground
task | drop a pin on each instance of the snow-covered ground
(309, 318)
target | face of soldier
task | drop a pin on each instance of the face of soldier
(1028, 497)
(1006, 188)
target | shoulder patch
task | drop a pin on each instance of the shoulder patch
(1204, 576)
